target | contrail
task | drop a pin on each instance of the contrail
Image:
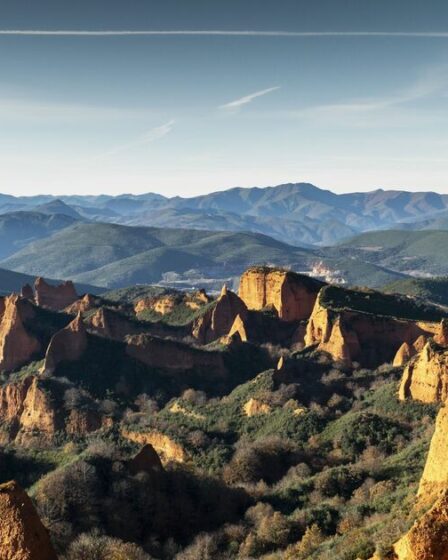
(223, 33)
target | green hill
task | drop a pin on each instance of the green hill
(115, 256)
(431, 289)
(402, 251)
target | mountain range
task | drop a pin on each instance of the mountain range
(374, 238)
(296, 213)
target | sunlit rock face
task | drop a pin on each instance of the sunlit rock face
(22, 535)
(292, 295)
(54, 297)
(219, 319)
(17, 346)
(425, 377)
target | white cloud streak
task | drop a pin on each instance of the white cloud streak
(147, 138)
(219, 32)
(237, 103)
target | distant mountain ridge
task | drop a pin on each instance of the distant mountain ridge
(297, 213)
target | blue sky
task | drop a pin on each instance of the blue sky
(191, 113)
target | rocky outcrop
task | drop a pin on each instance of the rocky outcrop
(238, 329)
(403, 355)
(369, 339)
(292, 295)
(218, 320)
(54, 297)
(111, 324)
(27, 292)
(81, 422)
(428, 537)
(147, 460)
(166, 303)
(167, 449)
(435, 473)
(255, 407)
(84, 304)
(22, 535)
(425, 378)
(17, 346)
(40, 419)
(174, 356)
(441, 336)
(67, 345)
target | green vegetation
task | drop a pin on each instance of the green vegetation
(378, 303)
(429, 289)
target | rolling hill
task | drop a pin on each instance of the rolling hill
(113, 255)
(420, 253)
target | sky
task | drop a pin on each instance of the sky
(185, 97)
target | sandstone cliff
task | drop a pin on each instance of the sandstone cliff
(17, 346)
(167, 448)
(218, 320)
(352, 335)
(166, 303)
(67, 345)
(22, 535)
(111, 324)
(54, 297)
(425, 377)
(84, 304)
(428, 537)
(403, 355)
(175, 356)
(435, 473)
(291, 295)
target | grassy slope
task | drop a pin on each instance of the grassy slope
(113, 255)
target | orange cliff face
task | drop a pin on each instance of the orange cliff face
(22, 535)
(218, 321)
(292, 295)
(110, 324)
(54, 297)
(67, 345)
(369, 339)
(17, 346)
(428, 537)
(425, 377)
(435, 473)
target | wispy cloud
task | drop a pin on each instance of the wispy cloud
(34, 110)
(433, 83)
(237, 103)
(220, 32)
(147, 138)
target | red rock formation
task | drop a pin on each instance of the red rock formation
(218, 320)
(22, 535)
(435, 473)
(84, 304)
(403, 355)
(292, 295)
(16, 346)
(171, 355)
(441, 336)
(27, 292)
(167, 449)
(166, 303)
(238, 328)
(147, 460)
(111, 324)
(419, 344)
(67, 345)
(54, 297)
(40, 419)
(425, 378)
(363, 337)
(428, 537)
(81, 422)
